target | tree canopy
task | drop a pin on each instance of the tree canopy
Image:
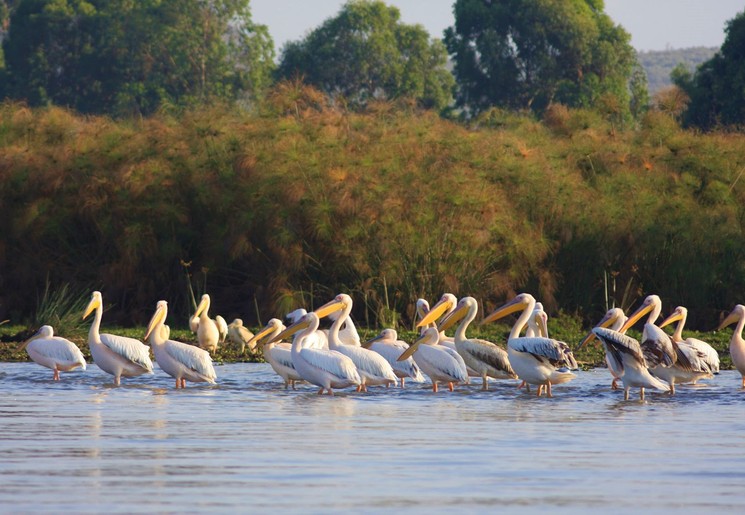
(526, 54)
(123, 57)
(365, 52)
(717, 88)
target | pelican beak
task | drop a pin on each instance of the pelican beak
(669, 320)
(512, 306)
(157, 318)
(452, 318)
(587, 339)
(436, 312)
(258, 336)
(606, 322)
(731, 319)
(369, 342)
(34, 337)
(544, 325)
(200, 308)
(643, 310)
(294, 328)
(330, 307)
(92, 306)
(411, 350)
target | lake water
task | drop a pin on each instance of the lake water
(247, 445)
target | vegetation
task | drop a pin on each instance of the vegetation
(527, 54)
(366, 53)
(716, 88)
(659, 64)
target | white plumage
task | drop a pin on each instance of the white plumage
(277, 354)
(54, 352)
(208, 334)
(240, 336)
(179, 360)
(119, 356)
(390, 347)
(441, 364)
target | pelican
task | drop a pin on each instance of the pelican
(372, 367)
(613, 319)
(240, 336)
(484, 357)
(194, 323)
(538, 360)
(54, 352)
(690, 364)
(207, 333)
(179, 360)
(222, 328)
(736, 344)
(277, 354)
(658, 348)
(440, 311)
(442, 364)
(119, 356)
(390, 347)
(705, 351)
(325, 368)
(537, 326)
(348, 334)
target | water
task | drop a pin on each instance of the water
(247, 445)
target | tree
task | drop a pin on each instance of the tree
(717, 88)
(365, 52)
(526, 54)
(126, 57)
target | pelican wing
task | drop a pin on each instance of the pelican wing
(129, 349)
(705, 351)
(547, 350)
(618, 347)
(657, 347)
(194, 358)
(489, 353)
(283, 357)
(61, 350)
(454, 367)
(329, 361)
(691, 360)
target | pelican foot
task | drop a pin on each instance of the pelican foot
(56, 375)
(451, 387)
(614, 384)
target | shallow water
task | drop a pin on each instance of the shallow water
(84, 446)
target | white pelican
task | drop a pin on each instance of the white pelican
(442, 364)
(119, 356)
(222, 328)
(54, 352)
(179, 360)
(736, 343)
(537, 326)
(658, 348)
(439, 311)
(348, 334)
(705, 351)
(371, 366)
(690, 364)
(484, 357)
(240, 336)
(390, 347)
(321, 367)
(613, 319)
(194, 323)
(207, 333)
(277, 354)
(538, 360)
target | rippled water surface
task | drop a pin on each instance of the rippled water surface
(84, 446)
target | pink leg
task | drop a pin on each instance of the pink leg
(183, 382)
(451, 387)
(403, 379)
(178, 383)
(320, 392)
(56, 375)
(524, 384)
(434, 387)
(549, 389)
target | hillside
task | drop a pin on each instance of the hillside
(659, 64)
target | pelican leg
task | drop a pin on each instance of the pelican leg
(485, 383)
(292, 382)
(183, 382)
(672, 388)
(549, 389)
(743, 381)
(625, 394)
(178, 383)
(525, 385)
(117, 380)
(641, 393)
(330, 391)
(56, 375)
(363, 387)
(450, 386)
(320, 392)
(614, 384)
(434, 387)
(403, 379)
(540, 390)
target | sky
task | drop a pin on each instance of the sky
(653, 24)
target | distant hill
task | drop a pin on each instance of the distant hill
(658, 64)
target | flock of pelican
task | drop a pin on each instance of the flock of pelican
(336, 358)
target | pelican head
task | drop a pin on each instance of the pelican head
(44, 331)
(273, 326)
(204, 304)
(309, 322)
(341, 302)
(429, 337)
(735, 315)
(446, 304)
(95, 302)
(461, 310)
(680, 313)
(519, 303)
(649, 304)
(161, 311)
(610, 318)
(385, 334)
